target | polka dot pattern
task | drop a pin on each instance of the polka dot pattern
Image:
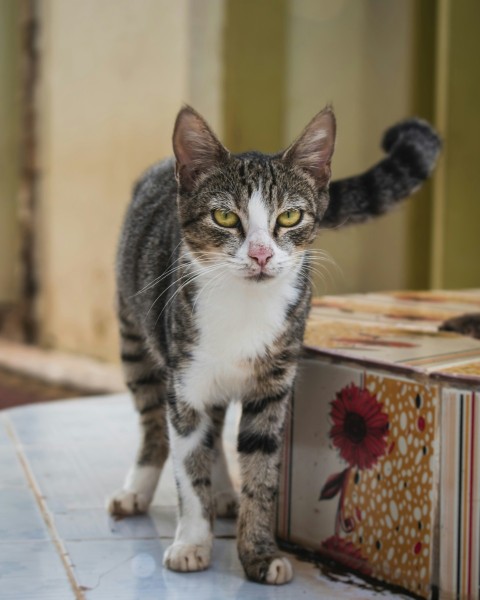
(393, 503)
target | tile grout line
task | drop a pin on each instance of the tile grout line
(59, 546)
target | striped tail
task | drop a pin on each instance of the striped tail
(413, 147)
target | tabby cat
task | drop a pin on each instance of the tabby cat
(468, 324)
(213, 294)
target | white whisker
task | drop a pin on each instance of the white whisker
(209, 282)
(184, 276)
(193, 277)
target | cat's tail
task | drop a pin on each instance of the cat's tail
(413, 147)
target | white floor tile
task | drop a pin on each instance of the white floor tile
(78, 452)
(32, 571)
(20, 518)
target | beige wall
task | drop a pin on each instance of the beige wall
(114, 74)
(205, 59)
(357, 55)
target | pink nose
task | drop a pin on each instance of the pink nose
(262, 254)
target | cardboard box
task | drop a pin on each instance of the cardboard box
(380, 470)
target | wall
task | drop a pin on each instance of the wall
(9, 149)
(206, 78)
(114, 74)
(255, 43)
(357, 55)
(456, 243)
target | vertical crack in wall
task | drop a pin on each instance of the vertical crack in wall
(28, 195)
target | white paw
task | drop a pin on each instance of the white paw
(125, 503)
(226, 504)
(186, 557)
(280, 571)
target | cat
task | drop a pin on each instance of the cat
(213, 296)
(467, 324)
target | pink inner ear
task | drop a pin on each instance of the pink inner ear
(313, 150)
(195, 146)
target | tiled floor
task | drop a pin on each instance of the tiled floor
(58, 463)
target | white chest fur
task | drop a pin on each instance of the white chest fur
(237, 320)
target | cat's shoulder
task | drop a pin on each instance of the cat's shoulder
(156, 181)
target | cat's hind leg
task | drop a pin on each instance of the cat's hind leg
(146, 380)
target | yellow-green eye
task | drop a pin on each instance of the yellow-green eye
(225, 218)
(289, 218)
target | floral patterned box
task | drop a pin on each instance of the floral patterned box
(380, 468)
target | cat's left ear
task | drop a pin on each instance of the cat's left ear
(313, 150)
(195, 146)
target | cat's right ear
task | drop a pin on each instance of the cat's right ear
(196, 147)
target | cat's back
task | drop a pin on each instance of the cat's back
(150, 230)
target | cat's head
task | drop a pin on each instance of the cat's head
(251, 212)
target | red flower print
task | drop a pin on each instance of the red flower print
(359, 427)
(346, 553)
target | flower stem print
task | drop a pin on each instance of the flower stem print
(359, 431)
(337, 483)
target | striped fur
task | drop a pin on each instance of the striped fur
(468, 324)
(203, 322)
(413, 148)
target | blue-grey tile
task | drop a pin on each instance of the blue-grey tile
(225, 528)
(20, 518)
(32, 571)
(4, 437)
(127, 570)
(11, 471)
(118, 569)
(95, 524)
(78, 452)
(132, 569)
(75, 421)
(77, 475)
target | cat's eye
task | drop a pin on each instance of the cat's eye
(225, 218)
(289, 218)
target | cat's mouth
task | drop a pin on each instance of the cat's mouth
(262, 276)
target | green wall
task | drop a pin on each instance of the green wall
(420, 208)
(461, 226)
(9, 147)
(254, 74)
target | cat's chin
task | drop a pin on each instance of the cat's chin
(259, 277)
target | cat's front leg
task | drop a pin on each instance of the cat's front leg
(190, 433)
(259, 445)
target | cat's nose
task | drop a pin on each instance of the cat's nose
(261, 253)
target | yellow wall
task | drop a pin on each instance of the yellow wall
(205, 68)
(254, 66)
(456, 241)
(284, 60)
(114, 74)
(357, 55)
